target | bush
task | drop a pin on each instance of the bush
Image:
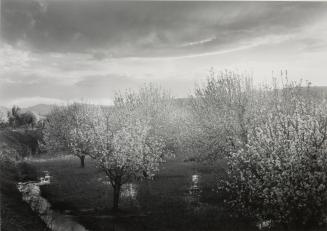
(281, 174)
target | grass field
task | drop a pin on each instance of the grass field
(165, 203)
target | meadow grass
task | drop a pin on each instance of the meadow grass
(162, 203)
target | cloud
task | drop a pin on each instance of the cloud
(199, 42)
(13, 58)
(125, 29)
(25, 90)
(88, 50)
(31, 84)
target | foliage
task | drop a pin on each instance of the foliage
(67, 128)
(3, 118)
(132, 150)
(23, 142)
(126, 140)
(281, 173)
(220, 114)
(8, 154)
(151, 104)
(18, 118)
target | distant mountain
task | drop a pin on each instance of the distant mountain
(41, 109)
(44, 109)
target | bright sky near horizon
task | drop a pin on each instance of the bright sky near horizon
(54, 51)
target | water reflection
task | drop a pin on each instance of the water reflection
(129, 191)
(195, 179)
(129, 194)
(194, 189)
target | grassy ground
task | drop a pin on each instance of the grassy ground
(162, 204)
(15, 214)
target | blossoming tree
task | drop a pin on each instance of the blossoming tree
(67, 129)
(126, 142)
(220, 114)
(281, 174)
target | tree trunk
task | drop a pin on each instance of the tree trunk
(82, 158)
(117, 188)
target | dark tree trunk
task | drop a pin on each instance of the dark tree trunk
(117, 188)
(145, 174)
(82, 158)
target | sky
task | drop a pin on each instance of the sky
(55, 51)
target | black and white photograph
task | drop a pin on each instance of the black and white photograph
(163, 115)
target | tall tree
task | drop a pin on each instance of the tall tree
(126, 142)
(280, 176)
(220, 114)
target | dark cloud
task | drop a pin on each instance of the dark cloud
(119, 29)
